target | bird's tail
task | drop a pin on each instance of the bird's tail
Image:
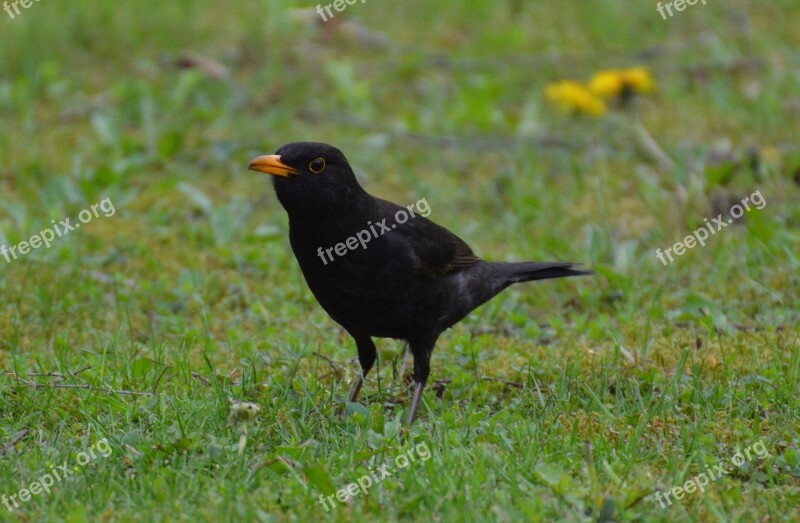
(485, 280)
(516, 272)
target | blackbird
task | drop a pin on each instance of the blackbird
(410, 281)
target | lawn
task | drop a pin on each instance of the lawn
(165, 360)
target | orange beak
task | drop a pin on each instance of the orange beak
(272, 164)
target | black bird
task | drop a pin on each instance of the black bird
(409, 281)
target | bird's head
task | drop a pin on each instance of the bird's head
(310, 178)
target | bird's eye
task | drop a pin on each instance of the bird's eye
(317, 166)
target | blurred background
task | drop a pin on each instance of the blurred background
(594, 132)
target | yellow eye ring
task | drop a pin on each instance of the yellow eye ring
(317, 166)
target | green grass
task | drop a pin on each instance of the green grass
(567, 400)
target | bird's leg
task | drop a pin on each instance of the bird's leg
(406, 356)
(415, 402)
(422, 368)
(356, 388)
(366, 356)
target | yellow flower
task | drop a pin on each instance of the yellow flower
(639, 79)
(575, 97)
(620, 83)
(607, 84)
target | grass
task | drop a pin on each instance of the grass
(571, 400)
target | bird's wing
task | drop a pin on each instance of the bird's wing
(433, 249)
